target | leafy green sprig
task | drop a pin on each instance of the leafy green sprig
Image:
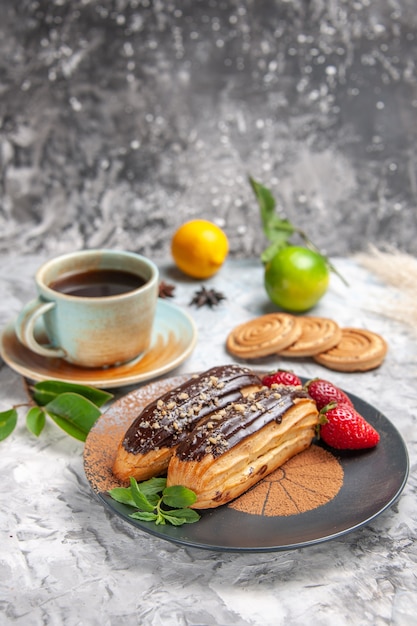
(74, 408)
(279, 230)
(151, 497)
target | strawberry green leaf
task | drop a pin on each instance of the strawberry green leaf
(47, 390)
(8, 421)
(178, 497)
(35, 420)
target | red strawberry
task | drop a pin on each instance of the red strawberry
(324, 392)
(281, 377)
(345, 429)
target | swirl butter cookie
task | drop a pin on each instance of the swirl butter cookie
(263, 336)
(318, 334)
(358, 350)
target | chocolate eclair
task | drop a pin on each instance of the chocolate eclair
(152, 438)
(238, 445)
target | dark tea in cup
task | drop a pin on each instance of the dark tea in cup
(99, 283)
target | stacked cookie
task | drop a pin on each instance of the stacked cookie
(342, 349)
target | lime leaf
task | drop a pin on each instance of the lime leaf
(76, 409)
(178, 496)
(144, 516)
(68, 427)
(264, 197)
(45, 391)
(269, 252)
(122, 495)
(187, 516)
(8, 421)
(139, 498)
(277, 230)
(35, 420)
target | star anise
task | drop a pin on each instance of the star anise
(166, 290)
(207, 297)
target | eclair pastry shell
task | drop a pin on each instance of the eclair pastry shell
(152, 438)
(218, 480)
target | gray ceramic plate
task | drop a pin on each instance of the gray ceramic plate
(373, 480)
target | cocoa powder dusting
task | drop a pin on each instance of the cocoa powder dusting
(99, 458)
(305, 482)
(103, 440)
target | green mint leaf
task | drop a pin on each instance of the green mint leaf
(178, 497)
(172, 519)
(46, 390)
(153, 486)
(122, 495)
(139, 498)
(188, 516)
(68, 427)
(8, 421)
(145, 497)
(144, 516)
(35, 420)
(160, 518)
(77, 410)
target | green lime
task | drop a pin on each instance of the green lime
(296, 278)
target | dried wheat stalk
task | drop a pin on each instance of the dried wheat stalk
(399, 270)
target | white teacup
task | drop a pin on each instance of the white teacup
(98, 307)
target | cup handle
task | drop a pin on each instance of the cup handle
(25, 328)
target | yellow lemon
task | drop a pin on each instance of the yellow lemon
(199, 248)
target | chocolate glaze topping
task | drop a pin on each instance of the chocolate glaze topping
(229, 426)
(168, 419)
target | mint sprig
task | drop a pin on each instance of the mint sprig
(74, 408)
(279, 230)
(151, 498)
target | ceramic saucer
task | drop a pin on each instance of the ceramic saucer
(173, 339)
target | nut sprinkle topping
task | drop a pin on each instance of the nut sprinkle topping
(238, 420)
(168, 420)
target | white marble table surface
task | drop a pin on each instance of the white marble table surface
(64, 559)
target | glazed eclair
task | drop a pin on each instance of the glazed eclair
(238, 445)
(152, 438)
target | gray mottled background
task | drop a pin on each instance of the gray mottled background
(121, 119)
